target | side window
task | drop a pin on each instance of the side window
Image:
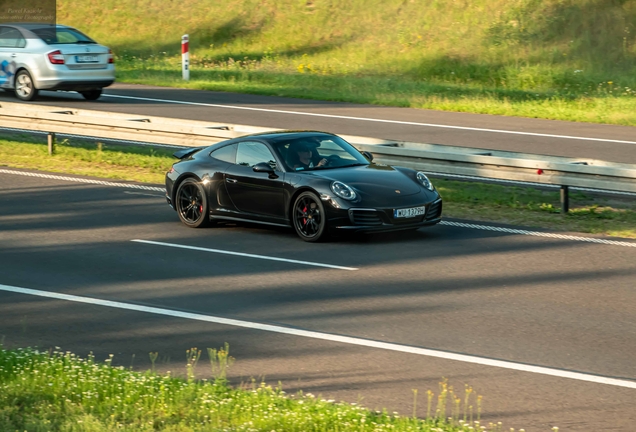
(11, 38)
(250, 153)
(4, 37)
(225, 154)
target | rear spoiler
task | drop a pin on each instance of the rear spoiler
(182, 154)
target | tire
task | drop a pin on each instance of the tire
(192, 204)
(309, 218)
(91, 94)
(24, 86)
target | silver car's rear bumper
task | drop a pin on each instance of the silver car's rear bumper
(79, 85)
(61, 79)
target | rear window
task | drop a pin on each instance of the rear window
(56, 36)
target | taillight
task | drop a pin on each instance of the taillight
(110, 56)
(56, 57)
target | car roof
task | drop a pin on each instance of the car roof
(271, 137)
(286, 134)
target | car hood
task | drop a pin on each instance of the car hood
(373, 180)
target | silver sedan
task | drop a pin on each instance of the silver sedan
(37, 57)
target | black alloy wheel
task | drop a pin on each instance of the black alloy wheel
(192, 204)
(24, 86)
(91, 94)
(309, 218)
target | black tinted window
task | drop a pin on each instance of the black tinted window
(56, 36)
(225, 154)
(11, 38)
(251, 153)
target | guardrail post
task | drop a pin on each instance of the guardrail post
(51, 143)
(565, 199)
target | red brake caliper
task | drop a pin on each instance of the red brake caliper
(305, 219)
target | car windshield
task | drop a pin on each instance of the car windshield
(65, 35)
(316, 152)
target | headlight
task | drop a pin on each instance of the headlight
(424, 181)
(343, 191)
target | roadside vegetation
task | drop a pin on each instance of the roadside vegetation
(58, 391)
(557, 59)
(530, 207)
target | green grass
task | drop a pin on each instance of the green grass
(558, 59)
(466, 200)
(142, 164)
(58, 391)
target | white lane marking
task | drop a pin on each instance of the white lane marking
(539, 234)
(83, 180)
(160, 189)
(372, 119)
(145, 194)
(580, 376)
(449, 223)
(264, 257)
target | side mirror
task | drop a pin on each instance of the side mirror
(368, 155)
(264, 167)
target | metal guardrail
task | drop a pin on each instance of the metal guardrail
(107, 125)
(525, 167)
(452, 160)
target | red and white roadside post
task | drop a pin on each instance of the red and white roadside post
(185, 57)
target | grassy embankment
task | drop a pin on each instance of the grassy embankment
(475, 201)
(557, 59)
(55, 391)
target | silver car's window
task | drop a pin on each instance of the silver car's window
(251, 153)
(225, 154)
(11, 38)
(66, 35)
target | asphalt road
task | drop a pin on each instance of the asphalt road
(593, 141)
(563, 305)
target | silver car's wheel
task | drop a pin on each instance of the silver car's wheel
(91, 94)
(24, 87)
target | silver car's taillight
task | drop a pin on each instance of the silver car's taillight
(56, 57)
(111, 59)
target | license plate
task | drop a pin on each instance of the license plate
(86, 59)
(409, 212)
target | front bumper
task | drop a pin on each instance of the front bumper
(381, 219)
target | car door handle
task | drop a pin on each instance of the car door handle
(14, 55)
(231, 180)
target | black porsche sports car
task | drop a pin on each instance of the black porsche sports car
(315, 182)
